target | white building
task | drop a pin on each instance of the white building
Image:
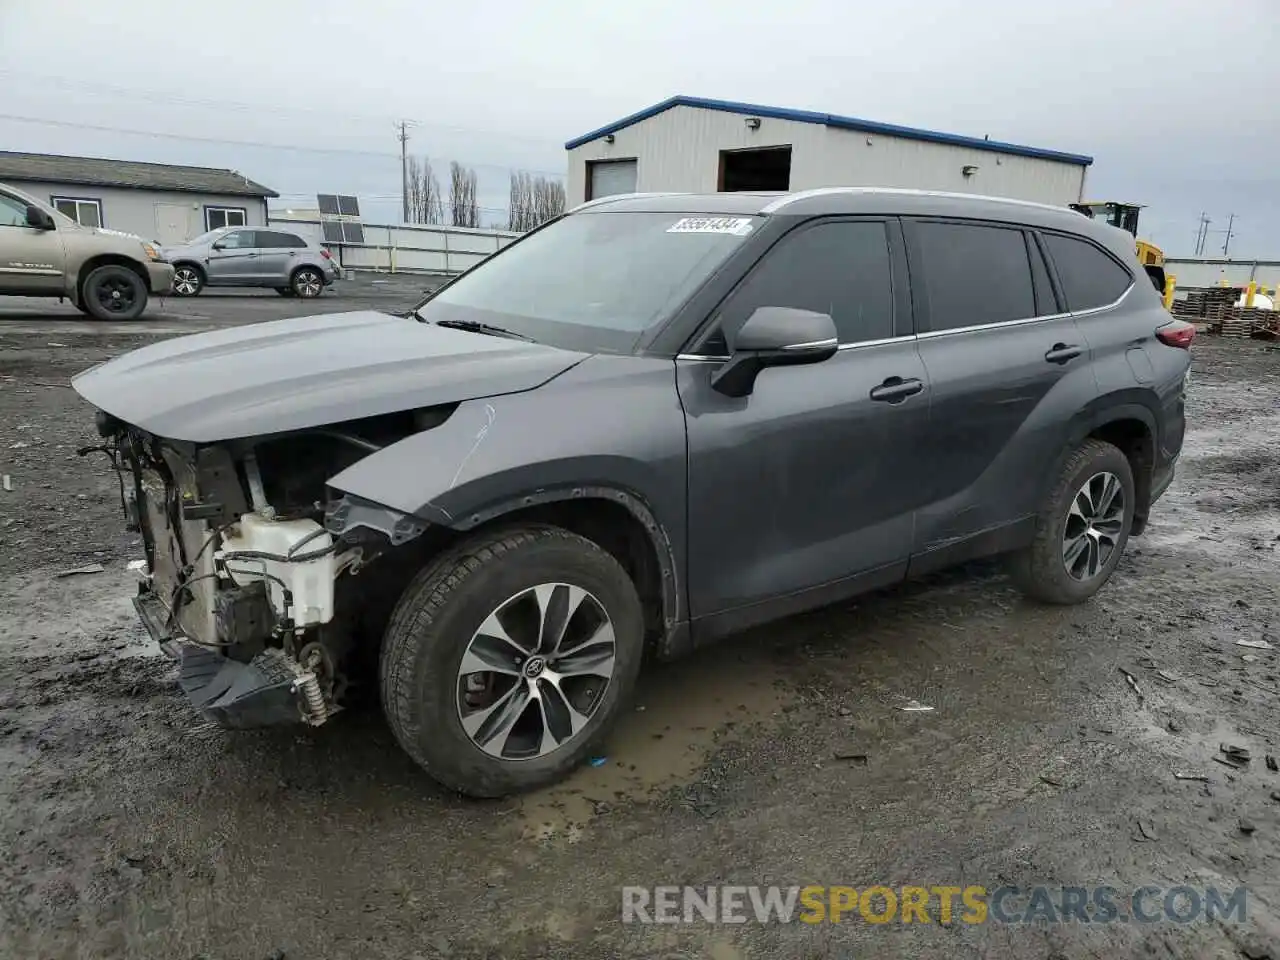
(157, 201)
(687, 144)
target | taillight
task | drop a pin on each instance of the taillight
(1179, 333)
(326, 254)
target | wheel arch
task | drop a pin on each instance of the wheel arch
(1127, 421)
(204, 275)
(110, 260)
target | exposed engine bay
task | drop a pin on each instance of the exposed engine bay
(249, 562)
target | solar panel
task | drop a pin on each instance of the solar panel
(340, 218)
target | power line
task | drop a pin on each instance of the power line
(152, 96)
(224, 141)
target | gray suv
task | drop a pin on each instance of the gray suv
(646, 426)
(251, 257)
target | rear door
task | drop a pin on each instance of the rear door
(1008, 369)
(276, 252)
(233, 259)
(809, 480)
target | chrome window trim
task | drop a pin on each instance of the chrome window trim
(931, 334)
(705, 358)
(813, 344)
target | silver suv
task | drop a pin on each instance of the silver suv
(251, 257)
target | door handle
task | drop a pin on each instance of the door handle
(895, 390)
(1062, 352)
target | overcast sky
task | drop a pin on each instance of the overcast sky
(1178, 101)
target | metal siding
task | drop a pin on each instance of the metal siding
(679, 150)
(134, 210)
(1191, 272)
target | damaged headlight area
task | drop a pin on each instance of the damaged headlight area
(248, 561)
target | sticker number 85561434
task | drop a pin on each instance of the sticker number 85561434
(737, 226)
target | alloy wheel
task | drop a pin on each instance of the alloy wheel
(186, 282)
(535, 672)
(1095, 522)
(308, 284)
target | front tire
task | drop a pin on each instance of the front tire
(1082, 529)
(307, 283)
(509, 659)
(113, 292)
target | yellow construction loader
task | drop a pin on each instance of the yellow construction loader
(1125, 216)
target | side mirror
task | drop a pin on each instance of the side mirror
(775, 337)
(38, 218)
(219, 245)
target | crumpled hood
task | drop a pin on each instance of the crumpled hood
(307, 372)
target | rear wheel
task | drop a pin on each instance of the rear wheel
(1082, 529)
(113, 292)
(307, 283)
(188, 280)
(508, 659)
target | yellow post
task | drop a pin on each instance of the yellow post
(1249, 293)
(1170, 284)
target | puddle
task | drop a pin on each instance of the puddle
(682, 713)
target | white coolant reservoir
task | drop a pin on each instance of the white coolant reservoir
(310, 581)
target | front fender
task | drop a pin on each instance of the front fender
(611, 427)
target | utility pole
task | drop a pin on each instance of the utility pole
(404, 171)
(1200, 229)
(1226, 244)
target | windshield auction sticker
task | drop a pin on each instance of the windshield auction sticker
(737, 226)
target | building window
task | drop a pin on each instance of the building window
(83, 211)
(216, 217)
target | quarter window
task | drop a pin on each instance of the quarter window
(1089, 277)
(85, 212)
(216, 217)
(839, 268)
(974, 274)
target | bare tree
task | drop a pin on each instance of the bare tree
(426, 202)
(533, 200)
(463, 209)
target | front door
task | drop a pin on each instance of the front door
(1007, 366)
(809, 481)
(173, 224)
(31, 261)
(233, 259)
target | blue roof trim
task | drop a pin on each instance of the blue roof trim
(832, 120)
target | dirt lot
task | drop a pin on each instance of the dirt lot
(132, 830)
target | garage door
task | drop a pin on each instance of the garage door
(609, 177)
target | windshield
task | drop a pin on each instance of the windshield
(204, 237)
(592, 281)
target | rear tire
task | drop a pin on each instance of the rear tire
(495, 739)
(188, 280)
(1081, 531)
(113, 292)
(307, 283)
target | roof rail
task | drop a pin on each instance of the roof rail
(790, 198)
(613, 197)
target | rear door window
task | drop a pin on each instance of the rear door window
(840, 268)
(274, 239)
(1090, 278)
(974, 274)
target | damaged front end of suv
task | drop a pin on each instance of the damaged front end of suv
(254, 561)
(249, 558)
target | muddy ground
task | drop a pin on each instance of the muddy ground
(132, 830)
